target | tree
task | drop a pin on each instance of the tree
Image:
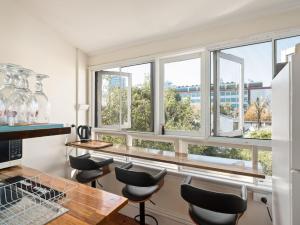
(258, 111)
(179, 113)
(226, 109)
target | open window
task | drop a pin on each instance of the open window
(113, 99)
(241, 92)
(124, 98)
(181, 84)
(229, 114)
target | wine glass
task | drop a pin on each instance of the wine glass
(43, 113)
(8, 70)
(17, 107)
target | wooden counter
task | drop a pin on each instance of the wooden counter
(86, 206)
(172, 158)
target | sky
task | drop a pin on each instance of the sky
(257, 65)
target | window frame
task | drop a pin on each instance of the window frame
(202, 92)
(217, 94)
(100, 75)
(94, 89)
(254, 144)
(217, 49)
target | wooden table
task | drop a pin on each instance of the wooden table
(173, 158)
(86, 205)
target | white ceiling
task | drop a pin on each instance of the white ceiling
(103, 25)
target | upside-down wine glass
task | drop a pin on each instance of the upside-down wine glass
(17, 108)
(43, 113)
(8, 70)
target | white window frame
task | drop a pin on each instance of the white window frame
(203, 94)
(100, 74)
(238, 60)
(254, 144)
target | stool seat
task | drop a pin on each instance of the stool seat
(207, 217)
(135, 193)
(139, 187)
(88, 169)
(87, 176)
(213, 208)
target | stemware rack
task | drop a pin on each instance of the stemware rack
(36, 200)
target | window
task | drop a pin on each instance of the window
(124, 98)
(241, 70)
(182, 93)
(240, 94)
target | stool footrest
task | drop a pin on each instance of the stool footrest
(146, 215)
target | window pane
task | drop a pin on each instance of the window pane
(222, 155)
(114, 100)
(182, 95)
(285, 47)
(113, 139)
(265, 162)
(244, 93)
(229, 119)
(155, 145)
(110, 101)
(141, 97)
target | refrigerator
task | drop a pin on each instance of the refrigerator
(286, 143)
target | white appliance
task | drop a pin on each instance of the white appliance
(286, 143)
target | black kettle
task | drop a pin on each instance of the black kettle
(84, 132)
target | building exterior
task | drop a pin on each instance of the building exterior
(229, 93)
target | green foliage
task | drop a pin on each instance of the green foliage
(165, 146)
(111, 111)
(222, 152)
(265, 159)
(260, 134)
(179, 114)
(113, 139)
(141, 113)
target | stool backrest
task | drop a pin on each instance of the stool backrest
(213, 201)
(137, 178)
(81, 163)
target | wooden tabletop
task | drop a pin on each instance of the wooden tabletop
(86, 205)
(94, 144)
(173, 158)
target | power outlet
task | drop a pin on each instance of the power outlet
(258, 196)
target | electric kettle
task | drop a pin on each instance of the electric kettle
(84, 132)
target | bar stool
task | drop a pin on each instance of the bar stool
(89, 170)
(140, 186)
(213, 208)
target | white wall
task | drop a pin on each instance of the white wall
(30, 43)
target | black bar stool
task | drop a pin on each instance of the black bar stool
(89, 170)
(140, 186)
(213, 208)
